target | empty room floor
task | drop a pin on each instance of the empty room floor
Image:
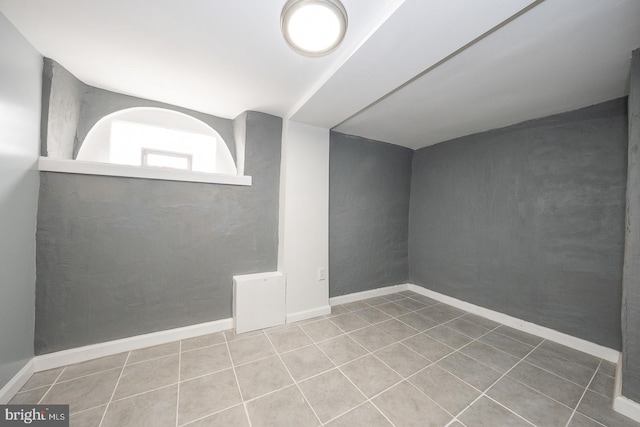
(400, 359)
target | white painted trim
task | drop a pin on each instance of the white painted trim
(541, 331)
(308, 314)
(16, 383)
(627, 407)
(49, 164)
(358, 296)
(617, 385)
(82, 354)
(624, 405)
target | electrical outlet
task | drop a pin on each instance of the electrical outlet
(322, 274)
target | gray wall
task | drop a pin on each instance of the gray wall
(118, 257)
(368, 214)
(631, 274)
(71, 108)
(528, 220)
(21, 70)
(61, 101)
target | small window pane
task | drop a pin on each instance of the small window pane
(166, 160)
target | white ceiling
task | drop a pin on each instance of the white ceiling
(481, 64)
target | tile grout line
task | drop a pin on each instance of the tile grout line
(367, 399)
(356, 407)
(521, 360)
(508, 409)
(435, 363)
(87, 375)
(33, 389)
(124, 398)
(432, 363)
(151, 358)
(235, 375)
(339, 366)
(136, 395)
(312, 344)
(584, 393)
(104, 414)
(368, 353)
(515, 339)
(407, 379)
(554, 374)
(394, 317)
(51, 386)
(292, 378)
(212, 414)
(484, 393)
(544, 394)
(179, 378)
(455, 420)
(372, 353)
(200, 348)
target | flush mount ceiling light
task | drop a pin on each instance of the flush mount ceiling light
(313, 27)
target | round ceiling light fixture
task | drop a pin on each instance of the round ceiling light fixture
(313, 27)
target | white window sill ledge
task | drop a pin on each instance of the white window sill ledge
(48, 164)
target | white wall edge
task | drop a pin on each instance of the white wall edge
(579, 344)
(282, 194)
(624, 405)
(309, 314)
(358, 296)
(82, 354)
(48, 164)
(617, 385)
(16, 383)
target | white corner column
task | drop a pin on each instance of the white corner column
(304, 220)
(627, 393)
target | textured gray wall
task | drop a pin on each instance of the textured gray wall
(528, 220)
(61, 102)
(368, 214)
(21, 71)
(631, 274)
(118, 257)
(97, 103)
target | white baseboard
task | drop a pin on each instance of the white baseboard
(579, 344)
(15, 384)
(624, 405)
(358, 296)
(308, 314)
(627, 407)
(82, 354)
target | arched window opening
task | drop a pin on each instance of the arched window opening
(157, 138)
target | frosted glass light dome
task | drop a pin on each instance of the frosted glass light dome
(313, 27)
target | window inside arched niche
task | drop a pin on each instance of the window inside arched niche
(158, 138)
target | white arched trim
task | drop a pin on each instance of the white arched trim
(152, 143)
(157, 137)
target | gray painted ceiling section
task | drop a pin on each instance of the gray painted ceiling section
(224, 57)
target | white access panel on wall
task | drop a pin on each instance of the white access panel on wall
(258, 301)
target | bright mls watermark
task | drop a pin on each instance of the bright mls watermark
(34, 415)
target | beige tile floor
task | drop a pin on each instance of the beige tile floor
(401, 359)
